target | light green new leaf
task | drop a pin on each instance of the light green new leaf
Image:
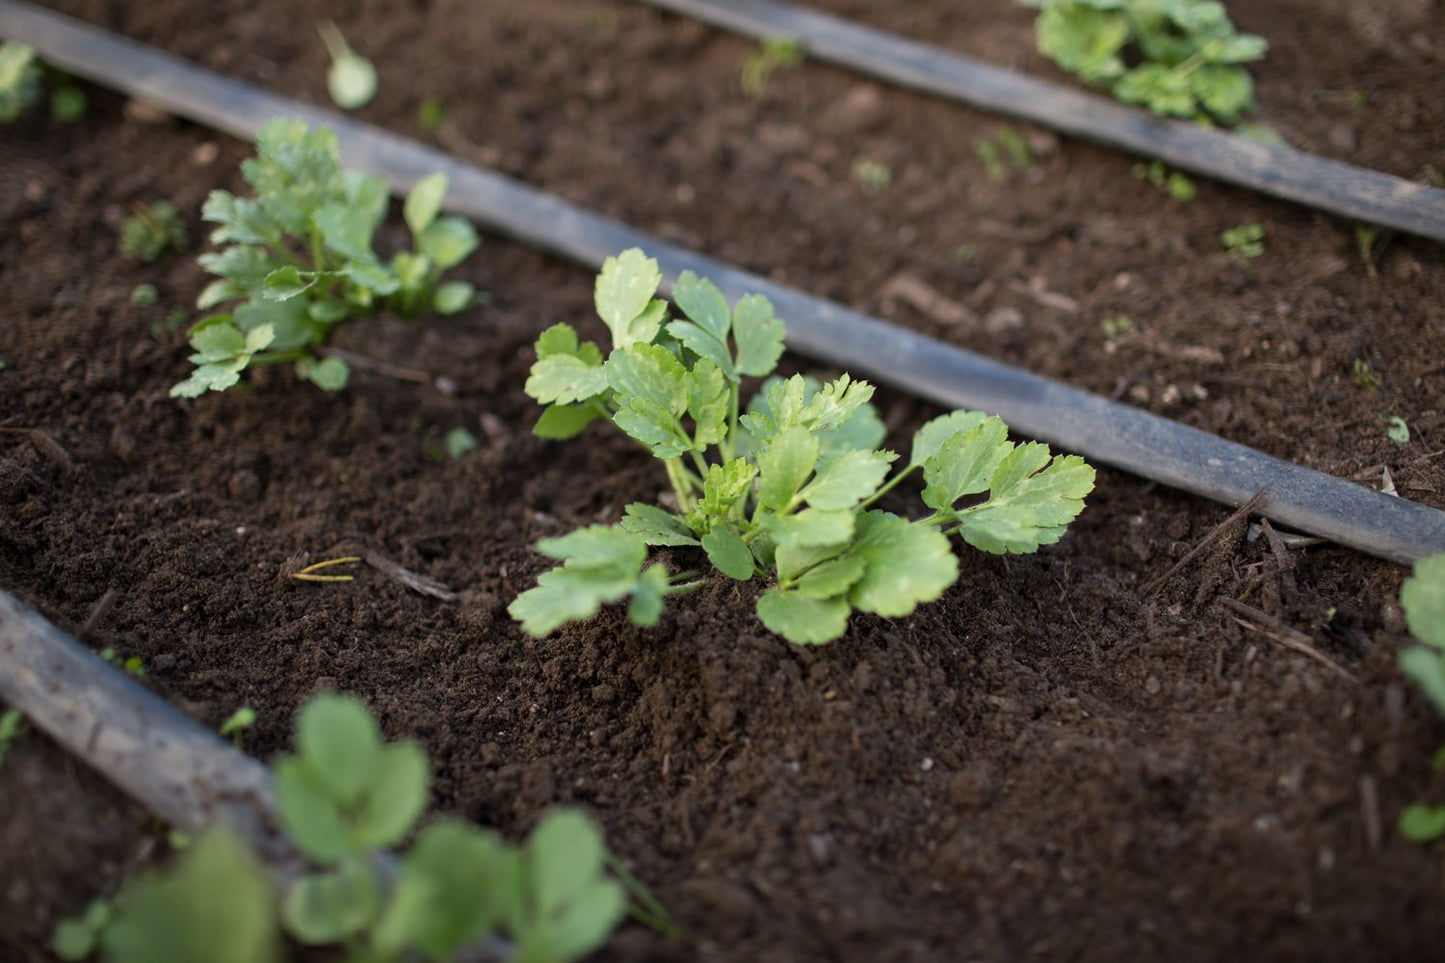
(654, 426)
(448, 241)
(848, 479)
(724, 486)
(1084, 41)
(329, 907)
(217, 340)
(758, 334)
(930, 438)
(346, 230)
(812, 527)
(624, 297)
(701, 301)
(560, 422)
(339, 741)
(395, 797)
(424, 201)
(728, 552)
(1226, 92)
(565, 853)
(1427, 667)
(597, 546)
(649, 372)
(328, 374)
(656, 526)
(564, 379)
(801, 619)
(1028, 505)
(964, 463)
(215, 904)
(783, 467)
(708, 398)
(1422, 596)
(645, 606)
(908, 563)
(562, 339)
(453, 297)
(834, 403)
(1422, 823)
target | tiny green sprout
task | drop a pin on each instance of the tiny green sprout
(459, 442)
(131, 665)
(1422, 596)
(871, 176)
(67, 103)
(19, 80)
(430, 114)
(1398, 430)
(1003, 151)
(12, 724)
(1116, 326)
(1364, 377)
(150, 229)
(144, 295)
(351, 80)
(1173, 183)
(1244, 241)
(784, 488)
(237, 723)
(1370, 241)
(772, 55)
(78, 937)
(1178, 58)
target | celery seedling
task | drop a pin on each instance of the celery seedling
(782, 490)
(150, 229)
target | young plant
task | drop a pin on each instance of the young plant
(351, 80)
(772, 55)
(19, 80)
(299, 256)
(782, 490)
(1244, 242)
(12, 724)
(1173, 183)
(1423, 598)
(1179, 58)
(150, 229)
(343, 795)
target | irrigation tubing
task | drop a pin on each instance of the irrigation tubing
(1281, 171)
(1105, 431)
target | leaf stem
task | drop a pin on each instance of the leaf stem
(888, 486)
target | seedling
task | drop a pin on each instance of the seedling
(871, 176)
(459, 442)
(1178, 58)
(772, 55)
(67, 103)
(1002, 152)
(1116, 326)
(1245, 241)
(131, 665)
(1423, 598)
(1364, 377)
(351, 80)
(77, 938)
(430, 114)
(19, 80)
(299, 254)
(313, 572)
(150, 229)
(144, 295)
(783, 490)
(12, 724)
(1397, 430)
(1173, 183)
(237, 723)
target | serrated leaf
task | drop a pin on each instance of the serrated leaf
(568, 594)
(863, 431)
(560, 422)
(708, 400)
(328, 907)
(801, 619)
(624, 297)
(1422, 596)
(1028, 505)
(654, 426)
(448, 241)
(701, 301)
(964, 463)
(908, 563)
(308, 813)
(930, 438)
(834, 403)
(812, 527)
(651, 373)
(597, 546)
(728, 552)
(1083, 40)
(209, 377)
(848, 479)
(564, 379)
(218, 341)
(656, 526)
(338, 740)
(395, 796)
(424, 201)
(285, 283)
(726, 485)
(704, 345)
(784, 466)
(346, 230)
(758, 335)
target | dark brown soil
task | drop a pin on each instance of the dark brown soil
(1050, 763)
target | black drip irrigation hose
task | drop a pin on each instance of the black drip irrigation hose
(1107, 432)
(1281, 171)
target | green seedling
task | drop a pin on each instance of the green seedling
(783, 490)
(67, 103)
(1116, 326)
(150, 229)
(772, 55)
(1002, 152)
(19, 80)
(351, 80)
(1364, 377)
(1370, 241)
(1173, 183)
(459, 442)
(237, 723)
(299, 256)
(1178, 58)
(871, 176)
(77, 938)
(1244, 242)
(1422, 596)
(144, 295)
(131, 665)
(12, 724)
(430, 115)
(1398, 430)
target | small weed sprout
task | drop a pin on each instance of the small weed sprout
(150, 230)
(872, 177)
(12, 724)
(237, 723)
(1244, 242)
(430, 115)
(1423, 598)
(19, 80)
(1398, 430)
(772, 55)
(784, 488)
(1178, 58)
(1173, 183)
(1365, 378)
(1003, 152)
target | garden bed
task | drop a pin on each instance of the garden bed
(1050, 762)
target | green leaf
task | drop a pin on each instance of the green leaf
(930, 438)
(602, 564)
(964, 463)
(654, 426)
(783, 467)
(565, 854)
(1028, 505)
(624, 298)
(651, 373)
(77, 938)
(701, 301)
(1239, 48)
(835, 403)
(801, 619)
(328, 374)
(447, 894)
(424, 201)
(725, 485)
(582, 926)
(562, 339)
(1426, 666)
(214, 904)
(287, 282)
(728, 552)
(645, 606)
(908, 563)
(759, 335)
(1083, 41)
(1422, 596)
(700, 343)
(656, 526)
(448, 241)
(560, 422)
(812, 527)
(454, 297)
(1422, 823)
(1226, 92)
(565, 379)
(329, 907)
(351, 79)
(848, 479)
(832, 578)
(308, 814)
(708, 401)
(339, 741)
(368, 194)
(346, 230)
(394, 797)
(597, 546)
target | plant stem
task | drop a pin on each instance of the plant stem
(681, 486)
(888, 486)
